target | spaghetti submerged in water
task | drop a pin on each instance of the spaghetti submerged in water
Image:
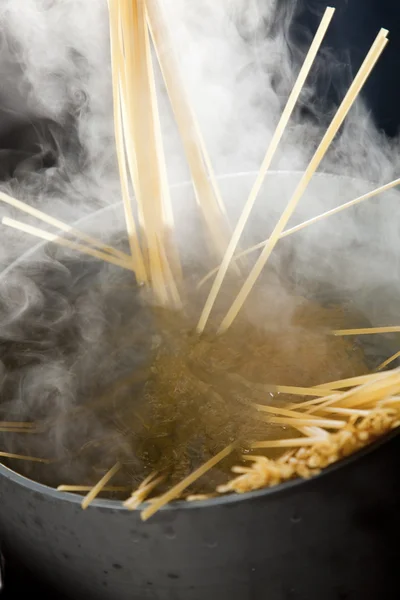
(186, 397)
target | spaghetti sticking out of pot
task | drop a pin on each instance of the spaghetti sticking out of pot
(138, 380)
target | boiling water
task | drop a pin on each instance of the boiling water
(107, 377)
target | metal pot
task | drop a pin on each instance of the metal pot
(332, 537)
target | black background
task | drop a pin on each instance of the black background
(349, 37)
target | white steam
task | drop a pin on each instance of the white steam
(239, 69)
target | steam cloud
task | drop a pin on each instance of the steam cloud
(239, 67)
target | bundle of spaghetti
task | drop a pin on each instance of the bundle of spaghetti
(362, 427)
(204, 183)
(139, 147)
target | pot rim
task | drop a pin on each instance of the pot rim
(117, 505)
(228, 499)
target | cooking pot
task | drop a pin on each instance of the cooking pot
(333, 537)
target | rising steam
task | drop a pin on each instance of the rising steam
(239, 64)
